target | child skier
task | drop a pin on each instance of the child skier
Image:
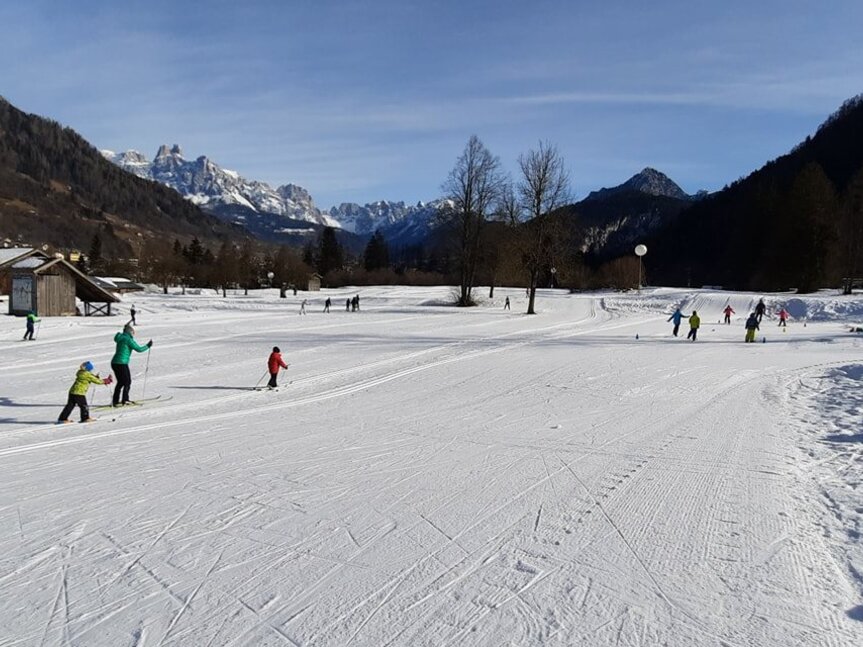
(694, 325)
(728, 312)
(783, 317)
(751, 327)
(273, 364)
(78, 393)
(31, 325)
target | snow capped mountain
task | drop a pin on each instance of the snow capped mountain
(365, 219)
(210, 186)
(648, 181)
(399, 222)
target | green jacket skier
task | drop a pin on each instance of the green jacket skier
(126, 344)
(32, 320)
(120, 362)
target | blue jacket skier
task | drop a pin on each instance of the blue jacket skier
(676, 317)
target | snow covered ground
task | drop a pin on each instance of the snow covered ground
(437, 476)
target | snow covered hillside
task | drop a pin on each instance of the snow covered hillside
(428, 475)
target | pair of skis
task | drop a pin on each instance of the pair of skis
(133, 403)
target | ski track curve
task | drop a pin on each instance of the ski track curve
(620, 502)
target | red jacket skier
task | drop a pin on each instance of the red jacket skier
(783, 317)
(728, 312)
(274, 363)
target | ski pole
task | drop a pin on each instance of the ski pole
(258, 383)
(146, 370)
(38, 325)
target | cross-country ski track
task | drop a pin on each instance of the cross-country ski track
(428, 475)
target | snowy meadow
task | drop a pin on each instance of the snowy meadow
(429, 475)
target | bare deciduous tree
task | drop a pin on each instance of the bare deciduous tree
(543, 187)
(472, 189)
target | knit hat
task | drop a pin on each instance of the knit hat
(276, 349)
(87, 366)
(128, 329)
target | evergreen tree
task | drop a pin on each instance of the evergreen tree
(194, 253)
(309, 254)
(376, 255)
(811, 228)
(851, 230)
(95, 255)
(330, 254)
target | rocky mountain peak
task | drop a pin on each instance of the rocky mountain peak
(210, 186)
(649, 181)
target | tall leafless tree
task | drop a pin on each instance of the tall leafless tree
(542, 188)
(472, 189)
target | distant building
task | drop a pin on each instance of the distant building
(116, 284)
(314, 284)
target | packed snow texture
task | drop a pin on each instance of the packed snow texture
(428, 475)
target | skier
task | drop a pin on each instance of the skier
(303, 307)
(347, 305)
(31, 325)
(327, 305)
(783, 317)
(694, 324)
(133, 312)
(506, 304)
(677, 316)
(728, 312)
(751, 327)
(78, 393)
(759, 309)
(273, 364)
(120, 363)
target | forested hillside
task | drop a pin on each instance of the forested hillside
(795, 223)
(56, 188)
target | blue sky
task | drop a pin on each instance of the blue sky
(365, 100)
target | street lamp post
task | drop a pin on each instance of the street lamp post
(270, 276)
(640, 251)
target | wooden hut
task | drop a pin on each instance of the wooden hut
(8, 257)
(49, 286)
(314, 284)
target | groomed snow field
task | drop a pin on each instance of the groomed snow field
(428, 475)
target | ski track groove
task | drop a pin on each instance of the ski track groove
(334, 393)
(674, 459)
(189, 600)
(313, 379)
(736, 384)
